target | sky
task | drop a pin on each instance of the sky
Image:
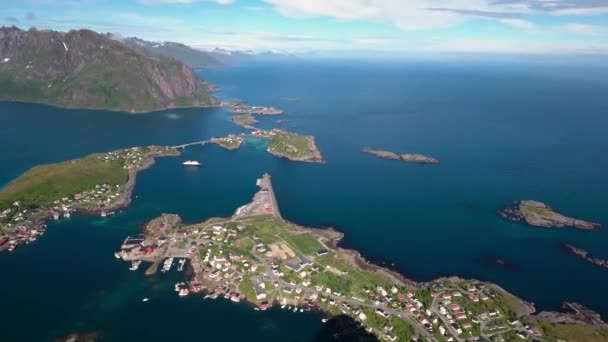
(336, 26)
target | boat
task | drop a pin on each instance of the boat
(117, 255)
(191, 163)
(145, 299)
(183, 292)
(135, 265)
(324, 320)
(181, 263)
(66, 214)
(103, 213)
(295, 309)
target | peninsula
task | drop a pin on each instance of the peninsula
(85, 69)
(411, 158)
(97, 184)
(258, 257)
(539, 214)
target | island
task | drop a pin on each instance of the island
(258, 257)
(539, 214)
(97, 184)
(291, 145)
(583, 254)
(382, 154)
(411, 158)
(245, 120)
(230, 142)
(239, 107)
(85, 69)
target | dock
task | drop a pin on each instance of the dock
(265, 183)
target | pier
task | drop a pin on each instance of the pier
(265, 184)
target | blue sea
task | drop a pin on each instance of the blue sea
(504, 130)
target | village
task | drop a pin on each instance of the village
(256, 256)
(24, 220)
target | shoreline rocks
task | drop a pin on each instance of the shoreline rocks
(539, 214)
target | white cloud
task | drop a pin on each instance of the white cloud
(518, 23)
(182, 2)
(581, 11)
(581, 28)
(409, 15)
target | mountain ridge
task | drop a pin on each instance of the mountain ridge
(85, 69)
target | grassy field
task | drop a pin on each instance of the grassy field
(290, 144)
(44, 184)
(572, 332)
(305, 243)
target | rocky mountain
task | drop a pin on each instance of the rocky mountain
(192, 57)
(84, 69)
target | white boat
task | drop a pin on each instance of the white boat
(117, 255)
(103, 213)
(135, 265)
(66, 214)
(145, 299)
(183, 292)
(191, 163)
(324, 320)
(181, 263)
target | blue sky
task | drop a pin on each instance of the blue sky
(337, 26)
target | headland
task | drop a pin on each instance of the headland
(258, 257)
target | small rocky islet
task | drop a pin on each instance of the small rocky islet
(585, 255)
(539, 214)
(407, 157)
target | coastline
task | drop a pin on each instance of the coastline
(513, 308)
(110, 109)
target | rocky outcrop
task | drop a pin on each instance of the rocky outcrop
(583, 254)
(411, 158)
(84, 69)
(539, 214)
(381, 153)
(572, 313)
(419, 158)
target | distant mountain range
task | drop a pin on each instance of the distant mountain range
(85, 69)
(196, 58)
(192, 57)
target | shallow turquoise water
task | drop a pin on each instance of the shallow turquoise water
(502, 132)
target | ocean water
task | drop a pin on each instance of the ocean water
(503, 131)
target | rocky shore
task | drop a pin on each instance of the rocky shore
(539, 214)
(410, 158)
(583, 254)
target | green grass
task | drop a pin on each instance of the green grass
(44, 184)
(305, 243)
(572, 332)
(290, 144)
(334, 282)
